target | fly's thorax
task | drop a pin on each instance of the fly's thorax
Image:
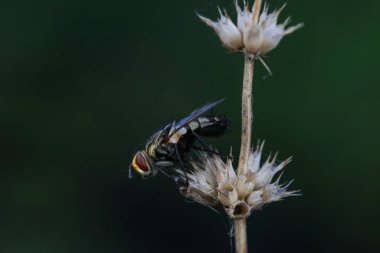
(143, 164)
(151, 150)
(154, 142)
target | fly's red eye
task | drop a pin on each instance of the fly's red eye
(141, 162)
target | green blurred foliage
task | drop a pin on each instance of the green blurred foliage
(84, 83)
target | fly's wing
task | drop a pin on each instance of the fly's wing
(195, 114)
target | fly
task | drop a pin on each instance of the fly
(165, 149)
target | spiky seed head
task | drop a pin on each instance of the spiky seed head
(256, 36)
(214, 182)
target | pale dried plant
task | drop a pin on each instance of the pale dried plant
(214, 182)
(256, 33)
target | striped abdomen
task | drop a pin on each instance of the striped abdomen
(202, 126)
(209, 126)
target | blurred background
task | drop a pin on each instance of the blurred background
(84, 83)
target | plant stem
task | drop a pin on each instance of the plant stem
(246, 134)
(256, 11)
(240, 235)
(246, 115)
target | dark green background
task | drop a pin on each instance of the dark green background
(84, 83)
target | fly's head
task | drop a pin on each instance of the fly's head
(142, 163)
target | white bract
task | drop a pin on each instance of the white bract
(256, 37)
(214, 182)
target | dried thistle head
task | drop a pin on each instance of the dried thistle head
(214, 182)
(256, 33)
(228, 33)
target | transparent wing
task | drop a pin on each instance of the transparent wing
(195, 114)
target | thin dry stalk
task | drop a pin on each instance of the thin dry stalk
(246, 114)
(241, 235)
(246, 134)
(256, 11)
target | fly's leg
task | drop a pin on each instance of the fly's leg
(205, 147)
(209, 151)
(130, 171)
(181, 164)
(161, 151)
(161, 168)
(164, 164)
(163, 172)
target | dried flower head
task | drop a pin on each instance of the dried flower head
(255, 33)
(214, 182)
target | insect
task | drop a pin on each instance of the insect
(164, 151)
